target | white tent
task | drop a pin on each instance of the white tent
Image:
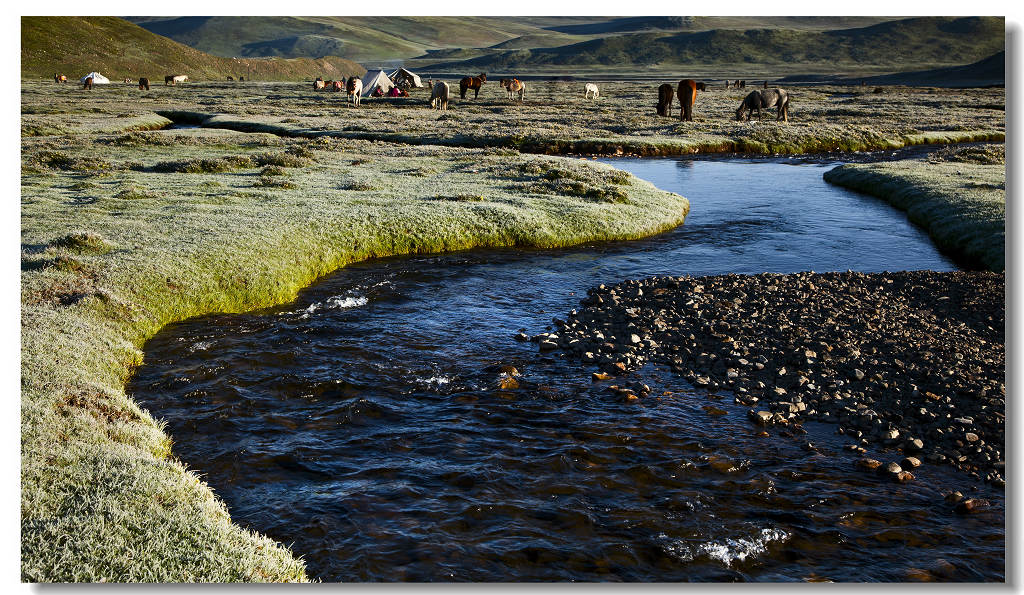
(372, 80)
(409, 78)
(97, 79)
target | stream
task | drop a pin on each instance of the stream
(364, 426)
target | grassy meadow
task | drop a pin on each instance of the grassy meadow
(127, 227)
(555, 118)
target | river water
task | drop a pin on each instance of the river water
(364, 424)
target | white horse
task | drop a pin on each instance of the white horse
(181, 78)
(591, 88)
(355, 90)
(439, 96)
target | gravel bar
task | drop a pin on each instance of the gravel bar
(907, 360)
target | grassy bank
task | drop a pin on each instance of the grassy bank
(958, 195)
(125, 233)
(554, 119)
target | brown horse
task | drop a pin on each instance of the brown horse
(472, 82)
(88, 83)
(143, 84)
(687, 92)
(664, 99)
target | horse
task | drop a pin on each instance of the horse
(766, 84)
(756, 100)
(338, 86)
(504, 83)
(517, 86)
(664, 99)
(687, 92)
(354, 88)
(702, 87)
(590, 88)
(472, 82)
(143, 84)
(127, 81)
(318, 85)
(439, 96)
(172, 79)
(743, 84)
(59, 78)
(87, 84)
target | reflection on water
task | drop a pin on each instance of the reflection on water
(365, 423)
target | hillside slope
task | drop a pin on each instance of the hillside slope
(118, 49)
(906, 43)
(355, 38)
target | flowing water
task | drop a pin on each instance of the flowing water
(364, 424)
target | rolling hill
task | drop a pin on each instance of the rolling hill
(119, 49)
(893, 45)
(379, 39)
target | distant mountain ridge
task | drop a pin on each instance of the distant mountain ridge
(118, 49)
(377, 39)
(923, 40)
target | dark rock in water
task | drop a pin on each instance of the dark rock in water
(954, 497)
(971, 505)
(868, 464)
(910, 462)
(904, 476)
(891, 469)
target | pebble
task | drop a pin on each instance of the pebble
(913, 359)
(971, 506)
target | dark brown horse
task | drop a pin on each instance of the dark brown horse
(143, 84)
(472, 82)
(664, 99)
(687, 92)
(88, 83)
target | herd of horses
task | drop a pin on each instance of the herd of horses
(686, 91)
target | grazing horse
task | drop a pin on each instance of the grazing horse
(143, 84)
(319, 84)
(743, 84)
(88, 83)
(338, 86)
(590, 88)
(472, 82)
(59, 78)
(756, 100)
(439, 96)
(664, 99)
(687, 92)
(354, 88)
(172, 79)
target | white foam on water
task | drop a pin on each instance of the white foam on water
(728, 550)
(336, 302)
(200, 346)
(438, 380)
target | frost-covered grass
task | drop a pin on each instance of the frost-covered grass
(177, 223)
(555, 118)
(958, 195)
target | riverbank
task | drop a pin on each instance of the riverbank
(123, 234)
(554, 119)
(957, 194)
(912, 361)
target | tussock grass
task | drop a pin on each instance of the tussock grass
(102, 496)
(84, 241)
(961, 202)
